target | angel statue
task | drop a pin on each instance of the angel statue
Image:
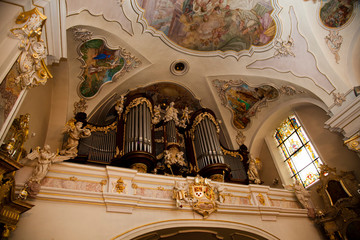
(253, 172)
(44, 158)
(185, 117)
(75, 132)
(303, 197)
(157, 115)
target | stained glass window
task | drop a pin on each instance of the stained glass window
(298, 152)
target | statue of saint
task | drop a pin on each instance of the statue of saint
(171, 114)
(253, 171)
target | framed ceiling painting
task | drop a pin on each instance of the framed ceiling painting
(212, 27)
(243, 100)
(11, 96)
(336, 14)
(102, 64)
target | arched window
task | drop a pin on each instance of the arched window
(298, 152)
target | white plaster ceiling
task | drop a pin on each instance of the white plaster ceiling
(312, 70)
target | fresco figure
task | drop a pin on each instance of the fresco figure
(211, 25)
(101, 64)
(335, 13)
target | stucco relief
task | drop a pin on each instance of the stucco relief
(288, 63)
(216, 27)
(112, 11)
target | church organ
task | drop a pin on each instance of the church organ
(163, 138)
(209, 156)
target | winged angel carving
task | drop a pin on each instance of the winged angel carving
(44, 158)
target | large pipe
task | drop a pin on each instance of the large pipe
(202, 142)
(140, 127)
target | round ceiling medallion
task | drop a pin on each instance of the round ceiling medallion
(179, 67)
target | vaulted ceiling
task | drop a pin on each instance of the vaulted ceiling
(244, 59)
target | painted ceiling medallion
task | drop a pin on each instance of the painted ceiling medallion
(244, 101)
(101, 65)
(336, 13)
(294, 51)
(216, 27)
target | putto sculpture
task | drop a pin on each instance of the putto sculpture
(75, 131)
(44, 159)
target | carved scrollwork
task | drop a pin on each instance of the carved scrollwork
(136, 102)
(201, 117)
(31, 65)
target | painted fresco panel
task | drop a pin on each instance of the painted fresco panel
(243, 100)
(101, 65)
(211, 25)
(9, 94)
(336, 13)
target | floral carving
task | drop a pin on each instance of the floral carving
(339, 98)
(80, 106)
(31, 65)
(81, 34)
(283, 48)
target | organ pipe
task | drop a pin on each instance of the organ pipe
(205, 136)
(138, 126)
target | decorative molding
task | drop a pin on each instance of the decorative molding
(347, 120)
(112, 11)
(240, 137)
(353, 143)
(81, 34)
(283, 48)
(289, 90)
(334, 41)
(31, 64)
(80, 106)
(288, 63)
(339, 98)
(200, 14)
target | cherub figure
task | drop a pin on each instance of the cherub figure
(185, 117)
(44, 158)
(157, 114)
(303, 197)
(75, 132)
(180, 193)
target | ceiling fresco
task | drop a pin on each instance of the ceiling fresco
(212, 25)
(292, 52)
(336, 13)
(101, 65)
(244, 101)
